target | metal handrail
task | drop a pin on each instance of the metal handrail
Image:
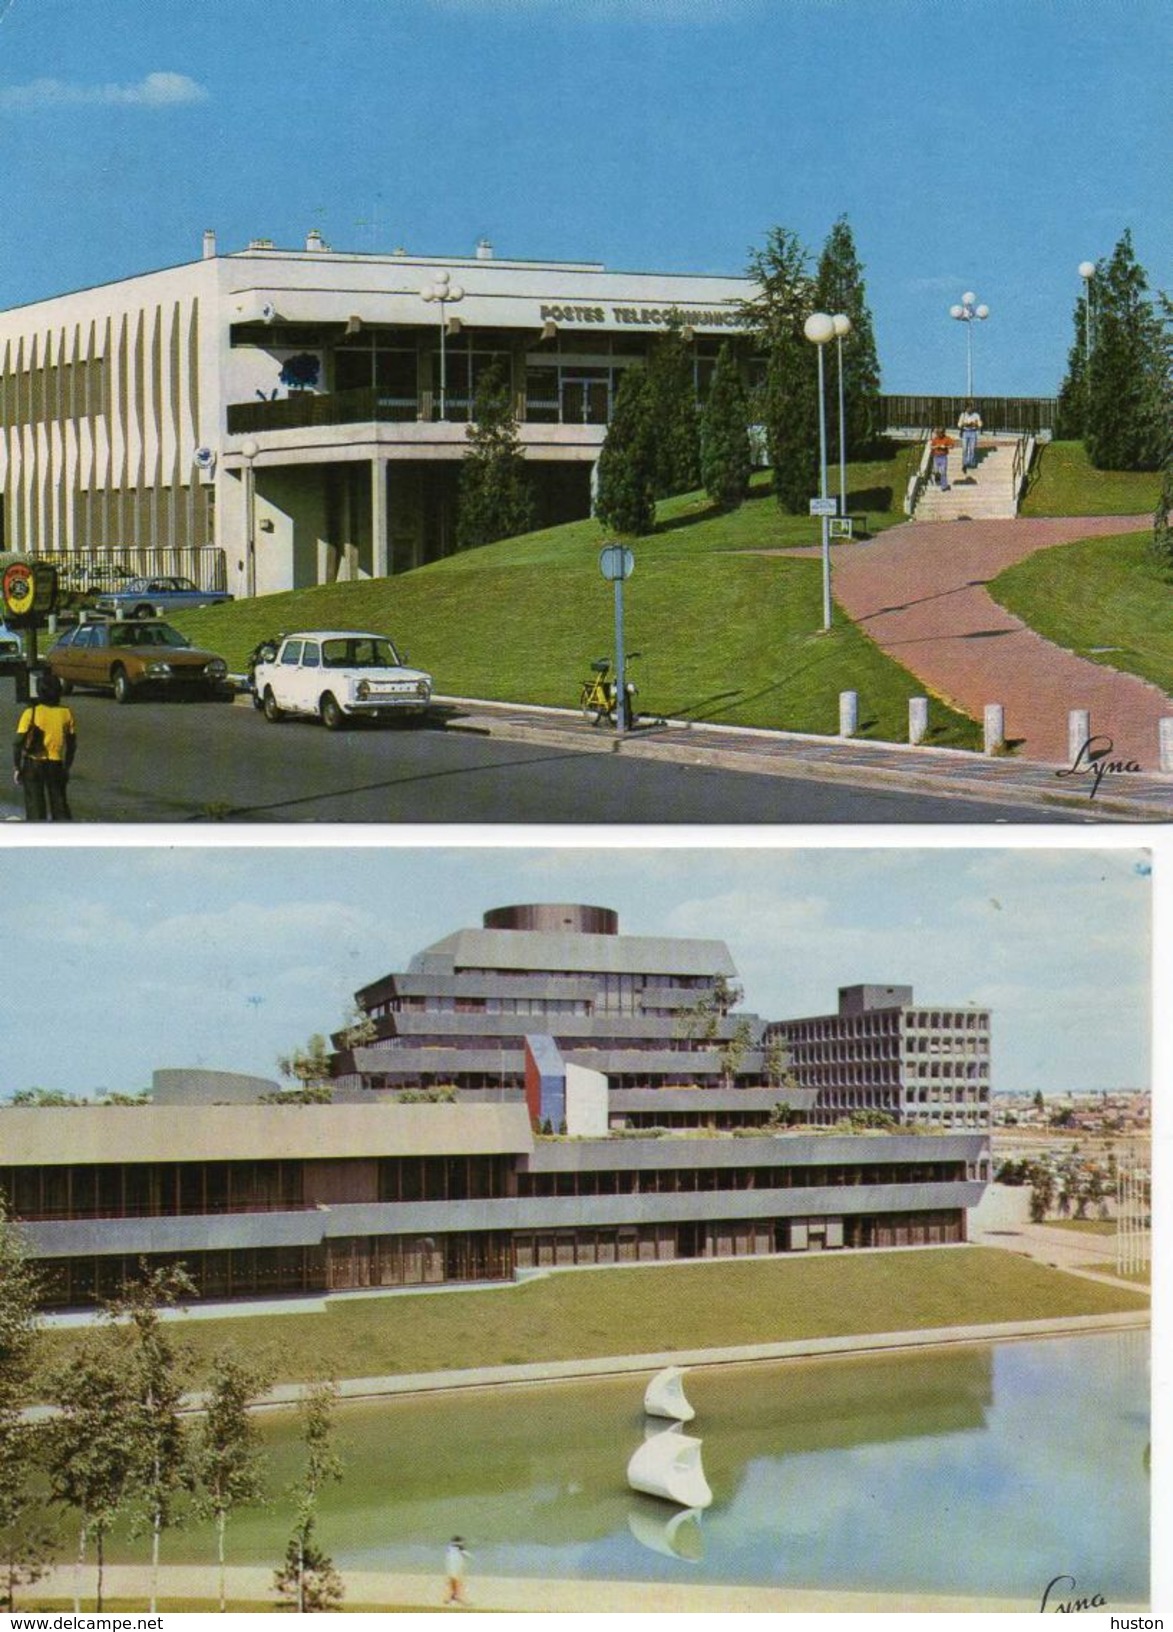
(917, 481)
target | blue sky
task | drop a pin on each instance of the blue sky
(989, 147)
(148, 955)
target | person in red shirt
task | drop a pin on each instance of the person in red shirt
(939, 447)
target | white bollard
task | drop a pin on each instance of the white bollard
(1079, 731)
(848, 713)
(1165, 728)
(994, 733)
(918, 720)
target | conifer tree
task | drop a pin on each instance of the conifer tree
(495, 498)
(839, 287)
(1071, 404)
(788, 398)
(626, 495)
(1127, 399)
(675, 428)
(726, 458)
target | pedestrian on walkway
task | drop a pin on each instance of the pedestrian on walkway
(939, 448)
(455, 1567)
(42, 753)
(969, 425)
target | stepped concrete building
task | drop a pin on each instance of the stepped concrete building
(649, 1013)
(274, 418)
(541, 1092)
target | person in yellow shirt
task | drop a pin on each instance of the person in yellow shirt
(42, 752)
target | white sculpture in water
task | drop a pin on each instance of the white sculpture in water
(665, 1396)
(669, 1465)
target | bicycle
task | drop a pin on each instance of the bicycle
(599, 697)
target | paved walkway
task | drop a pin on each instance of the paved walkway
(919, 591)
(387, 1590)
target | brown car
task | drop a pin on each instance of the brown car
(129, 658)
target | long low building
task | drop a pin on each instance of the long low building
(265, 1199)
(277, 418)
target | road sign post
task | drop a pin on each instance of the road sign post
(617, 562)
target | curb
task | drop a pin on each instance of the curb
(946, 772)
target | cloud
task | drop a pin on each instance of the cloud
(157, 90)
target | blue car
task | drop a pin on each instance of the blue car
(152, 597)
(11, 649)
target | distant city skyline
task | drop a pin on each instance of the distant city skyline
(989, 149)
(227, 956)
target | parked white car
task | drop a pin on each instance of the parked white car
(338, 675)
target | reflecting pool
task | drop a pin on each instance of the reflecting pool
(979, 1471)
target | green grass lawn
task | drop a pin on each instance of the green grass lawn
(1084, 1226)
(594, 1314)
(1100, 598)
(727, 633)
(1063, 483)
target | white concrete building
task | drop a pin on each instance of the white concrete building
(303, 412)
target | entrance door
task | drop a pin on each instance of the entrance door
(586, 397)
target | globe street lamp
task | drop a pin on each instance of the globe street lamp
(446, 293)
(842, 329)
(819, 328)
(1087, 271)
(965, 313)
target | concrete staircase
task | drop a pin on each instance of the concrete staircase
(986, 494)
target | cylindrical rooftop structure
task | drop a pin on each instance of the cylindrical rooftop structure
(555, 917)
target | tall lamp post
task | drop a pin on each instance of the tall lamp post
(842, 329)
(248, 452)
(819, 328)
(1087, 271)
(446, 293)
(967, 312)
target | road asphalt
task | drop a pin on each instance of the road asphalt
(919, 591)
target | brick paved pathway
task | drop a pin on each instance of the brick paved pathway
(919, 591)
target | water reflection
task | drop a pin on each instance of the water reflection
(983, 1470)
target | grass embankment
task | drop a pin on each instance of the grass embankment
(651, 1310)
(728, 632)
(1064, 483)
(1101, 598)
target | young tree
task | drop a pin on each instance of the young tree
(154, 1386)
(228, 1464)
(707, 1021)
(308, 1579)
(358, 1027)
(840, 287)
(91, 1458)
(19, 1292)
(1042, 1193)
(308, 1066)
(1126, 427)
(788, 399)
(626, 495)
(495, 498)
(24, 1538)
(1161, 548)
(672, 397)
(726, 457)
